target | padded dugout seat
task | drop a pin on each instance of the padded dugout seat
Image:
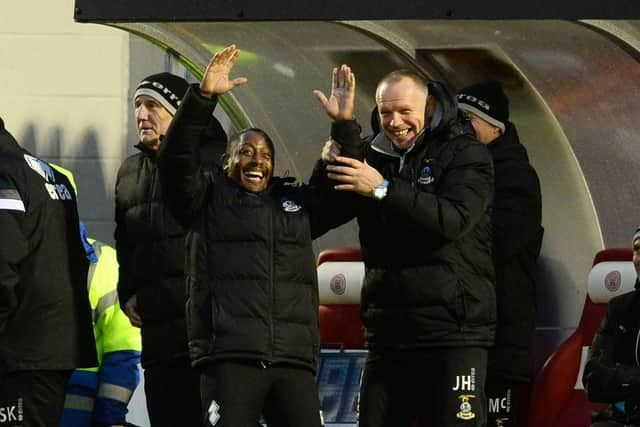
(340, 274)
(558, 398)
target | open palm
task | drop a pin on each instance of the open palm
(216, 79)
(341, 103)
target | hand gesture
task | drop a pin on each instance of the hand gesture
(354, 175)
(341, 103)
(131, 310)
(216, 78)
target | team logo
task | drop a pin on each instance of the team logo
(214, 415)
(290, 206)
(466, 411)
(42, 168)
(612, 281)
(426, 176)
(338, 284)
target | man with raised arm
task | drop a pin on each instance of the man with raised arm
(252, 309)
(421, 190)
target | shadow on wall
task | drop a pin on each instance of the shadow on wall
(85, 159)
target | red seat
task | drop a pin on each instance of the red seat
(340, 273)
(558, 398)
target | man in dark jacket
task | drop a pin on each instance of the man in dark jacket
(150, 249)
(424, 187)
(45, 317)
(517, 237)
(612, 372)
(253, 295)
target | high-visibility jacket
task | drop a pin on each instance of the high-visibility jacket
(99, 396)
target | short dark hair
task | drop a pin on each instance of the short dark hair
(238, 138)
(396, 75)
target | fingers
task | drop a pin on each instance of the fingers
(345, 78)
(334, 78)
(321, 97)
(345, 187)
(134, 317)
(348, 161)
(343, 178)
(239, 81)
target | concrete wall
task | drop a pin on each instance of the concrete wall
(66, 95)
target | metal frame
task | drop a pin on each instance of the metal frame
(288, 10)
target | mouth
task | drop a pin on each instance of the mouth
(253, 176)
(400, 133)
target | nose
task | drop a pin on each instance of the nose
(141, 112)
(395, 120)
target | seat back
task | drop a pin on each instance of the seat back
(340, 274)
(558, 397)
(342, 356)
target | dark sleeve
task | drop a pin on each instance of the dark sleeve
(347, 134)
(124, 251)
(517, 210)
(604, 379)
(463, 195)
(14, 245)
(330, 208)
(181, 175)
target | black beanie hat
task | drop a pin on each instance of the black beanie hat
(166, 88)
(487, 101)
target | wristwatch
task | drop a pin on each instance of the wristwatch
(379, 192)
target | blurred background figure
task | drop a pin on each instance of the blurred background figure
(150, 247)
(612, 372)
(45, 318)
(517, 237)
(99, 396)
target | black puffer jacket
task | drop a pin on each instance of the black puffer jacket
(517, 237)
(612, 372)
(253, 291)
(45, 317)
(426, 246)
(150, 246)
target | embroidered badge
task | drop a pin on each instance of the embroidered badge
(466, 411)
(426, 176)
(290, 206)
(42, 168)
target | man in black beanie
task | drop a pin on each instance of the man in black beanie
(150, 247)
(517, 237)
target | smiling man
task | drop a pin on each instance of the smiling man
(421, 190)
(150, 249)
(252, 283)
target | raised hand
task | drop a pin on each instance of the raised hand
(216, 78)
(341, 102)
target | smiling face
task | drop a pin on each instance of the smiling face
(152, 120)
(401, 108)
(250, 161)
